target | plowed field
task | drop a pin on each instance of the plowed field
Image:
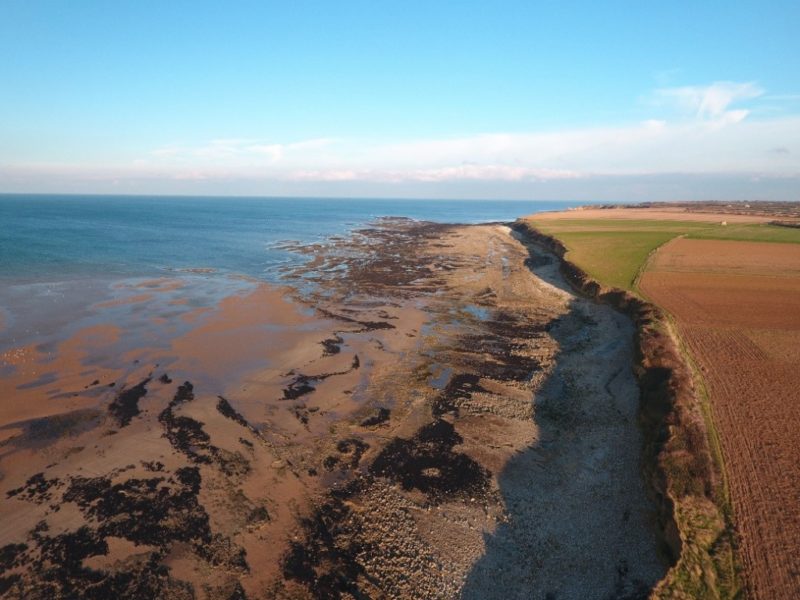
(737, 306)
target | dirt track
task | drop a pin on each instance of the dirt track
(737, 306)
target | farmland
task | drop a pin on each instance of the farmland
(737, 307)
(749, 232)
(733, 292)
(613, 250)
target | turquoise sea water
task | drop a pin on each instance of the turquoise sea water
(47, 238)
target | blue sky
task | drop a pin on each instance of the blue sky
(586, 100)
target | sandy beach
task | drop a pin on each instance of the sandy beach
(429, 412)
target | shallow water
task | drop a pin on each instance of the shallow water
(61, 254)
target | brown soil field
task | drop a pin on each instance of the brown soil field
(737, 306)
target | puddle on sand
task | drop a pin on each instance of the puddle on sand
(482, 313)
(440, 380)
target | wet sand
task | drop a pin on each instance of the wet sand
(426, 412)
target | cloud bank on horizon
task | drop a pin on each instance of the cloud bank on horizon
(722, 139)
(708, 134)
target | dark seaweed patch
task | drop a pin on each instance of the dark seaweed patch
(382, 259)
(221, 551)
(185, 393)
(232, 590)
(332, 345)
(68, 550)
(59, 426)
(153, 465)
(302, 414)
(155, 511)
(509, 371)
(462, 385)
(126, 405)
(237, 593)
(11, 556)
(36, 489)
(509, 326)
(326, 561)
(354, 448)
(6, 583)
(300, 386)
(184, 433)
(188, 436)
(428, 463)
(380, 417)
(58, 572)
(226, 410)
(258, 515)
(366, 325)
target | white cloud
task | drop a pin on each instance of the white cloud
(711, 102)
(707, 130)
(729, 144)
(466, 172)
(711, 133)
(490, 173)
(326, 175)
(236, 151)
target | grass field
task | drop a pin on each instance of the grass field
(613, 251)
(749, 233)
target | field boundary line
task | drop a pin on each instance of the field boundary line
(651, 255)
(701, 385)
(643, 267)
(704, 396)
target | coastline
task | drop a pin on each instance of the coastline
(277, 433)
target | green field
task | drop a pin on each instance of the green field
(750, 233)
(613, 251)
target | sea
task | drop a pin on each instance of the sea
(62, 256)
(50, 237)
